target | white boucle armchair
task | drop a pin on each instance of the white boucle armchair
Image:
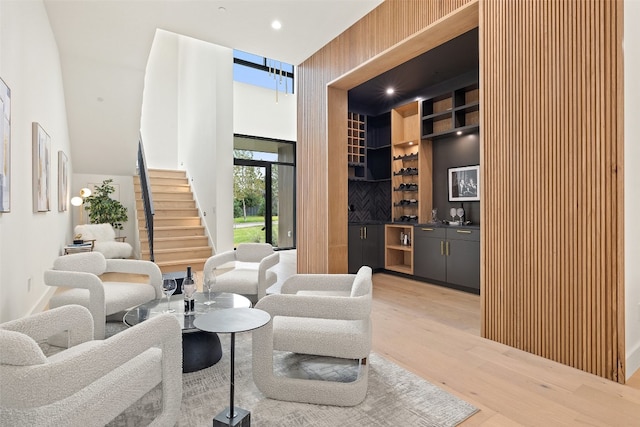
(104, 240)
(93, 381)
(80, 273)
(317, 314)
(250, 275)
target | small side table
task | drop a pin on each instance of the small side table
(232, 320)
(77, 248)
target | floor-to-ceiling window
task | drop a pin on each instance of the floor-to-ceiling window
(264, 191)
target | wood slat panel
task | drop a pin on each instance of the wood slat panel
(551, 151)
(551, 155)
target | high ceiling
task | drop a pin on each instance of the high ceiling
(104, 46)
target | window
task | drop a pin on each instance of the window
(261, 71)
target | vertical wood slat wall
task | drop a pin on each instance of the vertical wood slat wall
(322, 208)
(551, 155)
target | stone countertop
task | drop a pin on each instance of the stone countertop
(438, 225)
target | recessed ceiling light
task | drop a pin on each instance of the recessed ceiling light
(390, 91)
(276, 25)
(100, 99)
(459, 132)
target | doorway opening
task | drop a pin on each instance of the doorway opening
(264, 191)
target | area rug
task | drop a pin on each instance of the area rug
(394, 397)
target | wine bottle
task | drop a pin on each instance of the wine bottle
(189, 288)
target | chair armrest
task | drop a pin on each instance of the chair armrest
(138, 266)
(268, 262)
(320, 307)
(82, 280)
(89, 364)
(318, 282)
(40, 326)
(121, 238)
(265, 264)
(217, 260)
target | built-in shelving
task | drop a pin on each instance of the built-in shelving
(356, 145)
(451, 112)
(410, 165)
(398, 253)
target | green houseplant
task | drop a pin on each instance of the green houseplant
(103, 209)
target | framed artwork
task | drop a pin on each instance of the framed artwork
(5, 147)
(464, 184)
(41, 169)
(63, 182)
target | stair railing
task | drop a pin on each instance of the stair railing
(147, 200)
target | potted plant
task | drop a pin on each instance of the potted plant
(103, 209)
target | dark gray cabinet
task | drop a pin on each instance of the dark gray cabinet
(428, 253)
(448, 255)
(365, 246)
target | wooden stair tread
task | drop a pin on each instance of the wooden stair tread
(169, 239)
(177, 227)
(191, 248)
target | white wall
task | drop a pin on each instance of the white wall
(631, 184)
(205, 132)
(256, 113)
(159, 122)
(29, 242)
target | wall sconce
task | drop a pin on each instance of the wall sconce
(79, 200)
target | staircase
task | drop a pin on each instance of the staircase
(179, 236)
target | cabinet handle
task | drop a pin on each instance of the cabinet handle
(447, 248)
(441, 247)
(427, 229)
(464, 231)
(361, 233)
(365, 233)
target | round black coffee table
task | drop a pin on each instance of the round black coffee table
(200, 349)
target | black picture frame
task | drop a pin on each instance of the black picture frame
(464, 183)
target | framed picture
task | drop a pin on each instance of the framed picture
(5, 147)
(41, 169)
(63, 182)
(464, 184)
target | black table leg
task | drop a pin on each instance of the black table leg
(235, 417)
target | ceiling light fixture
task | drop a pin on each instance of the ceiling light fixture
(222, 9)
(278, 77)
(390, 91)
(276, 25)
(459, 132)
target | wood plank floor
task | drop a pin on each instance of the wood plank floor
(435, 333)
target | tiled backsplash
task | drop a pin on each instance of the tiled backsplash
(369, 201)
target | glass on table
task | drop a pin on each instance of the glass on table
(209, 282)
(169, 286)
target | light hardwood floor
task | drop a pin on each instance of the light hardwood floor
(435, 332)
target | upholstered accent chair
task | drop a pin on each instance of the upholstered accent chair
(80, 273)
(249, 275)
(317, 314)
(104, 240)
(91, 382)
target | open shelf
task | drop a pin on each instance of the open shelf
(451, 112)
(398, 257)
